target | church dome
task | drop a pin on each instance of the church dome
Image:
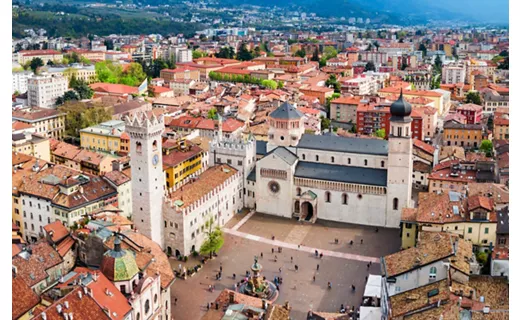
(119, 264)
(400, 108)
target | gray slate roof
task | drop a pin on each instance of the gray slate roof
(331, 172)
(252, 175)
(284, 154)
(344, 144)
(261, 147)
(286, 111)
(503, 221)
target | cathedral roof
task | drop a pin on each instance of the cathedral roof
(339, 173)
(119, 264)
(286, 112)
(284, 154)
(344, 144)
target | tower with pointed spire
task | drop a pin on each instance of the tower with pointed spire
(147, 173)
(400, 163)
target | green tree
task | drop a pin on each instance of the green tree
(381, 133)
(196, 54)
(243, 54)
(109, 44)
(315, 55)
(271, 84)
(83, 90)
(73, 80)
(226, 53)
(370, 66)
(212, 114)
(329, 52)
(214, 239)
(256, 52)
(487, 147)
(482, 257)
(35, 64)
(280, 84)
(438, 64)
(333, 81)
(423, 48)
(79, 116)
(300, 53)
(325, 123)
(473, 97)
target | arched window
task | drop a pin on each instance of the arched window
(298, 191)
(138, 317)
(147, 307)
(433, 273)
(154, 145)
(382, 164)
(344, 198)
(317, 158)
(396, 203)
(366, 162)
(138, 147)
(303, 156)
(348, 160)
(327, 196)
(332, 159)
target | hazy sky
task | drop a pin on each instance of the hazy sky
(487, 10)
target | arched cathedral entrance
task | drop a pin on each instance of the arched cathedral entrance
(307, 211)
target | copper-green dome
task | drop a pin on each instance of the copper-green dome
(119, 264)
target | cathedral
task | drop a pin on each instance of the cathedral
(302, 176)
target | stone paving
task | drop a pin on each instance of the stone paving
(342, 264)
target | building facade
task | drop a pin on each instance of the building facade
(44, 90)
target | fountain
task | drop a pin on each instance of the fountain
(257, 287)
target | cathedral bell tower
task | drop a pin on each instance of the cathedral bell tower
(147, 173)
(400, 164)
(286, 127)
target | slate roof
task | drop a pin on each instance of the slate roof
(252, 175)
(344, 144)
(284, 154)
(286, 112)
(261, 147)
(503, 221)
(331, 172)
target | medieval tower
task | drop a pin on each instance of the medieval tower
(147, 174)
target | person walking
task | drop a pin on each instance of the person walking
(280, 269)
(318, 267)
(175, 302)
(361, 241)
(220, 268)
(272, 250)
(296, 267)
(234, 276)
(316, 253)
(351, 242)
(321, 255)
(275, 258)
(261, 255)
(329, 285)
(291, 259)
(314, 278)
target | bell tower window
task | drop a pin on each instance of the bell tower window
(138, 147)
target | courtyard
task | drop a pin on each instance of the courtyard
(343, 264)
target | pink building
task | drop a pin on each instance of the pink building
(472, 112)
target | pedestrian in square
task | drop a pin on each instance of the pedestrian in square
(296, 267)
(318, 267)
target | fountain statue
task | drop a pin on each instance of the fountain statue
(256, 286)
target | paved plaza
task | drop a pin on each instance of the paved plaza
(343, 264)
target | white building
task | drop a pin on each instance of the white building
(20, 81)
(354, 180)
(45, 89)
(184, 55)
(454, 73)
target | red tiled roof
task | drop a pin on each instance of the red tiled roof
(424, 146)
(65, 246)
(24, 299)
(56, 230)
(475, 202)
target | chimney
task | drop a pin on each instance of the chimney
(80, 295)
(44, 316)
(66, 303)
(71, 316)
(264, 304)
(65, 316)
(58, 308)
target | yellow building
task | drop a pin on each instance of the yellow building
(473, 219)
(105, 136)
(180, 160)
(84, 73)
(501, 126)
(32, 145)
(438, 99)
(47, 122)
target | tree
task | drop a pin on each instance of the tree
(325, 123)
(333, 81)
(377, 45)
(423, 48)
(381, 133)
(212, 114)
(73, 80)
(256, 52)
(370, 66)
(83, 90)
(214, 239)
(243, 54)
(329, 52)
(300, 53)
(473, 97)
(271, 84)
(315, 55)
(438, 64)
(35, 64)
(79, 116)
(226, 53)
(109, 44)
(196, 54)
(487, 147)
(280, 84)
